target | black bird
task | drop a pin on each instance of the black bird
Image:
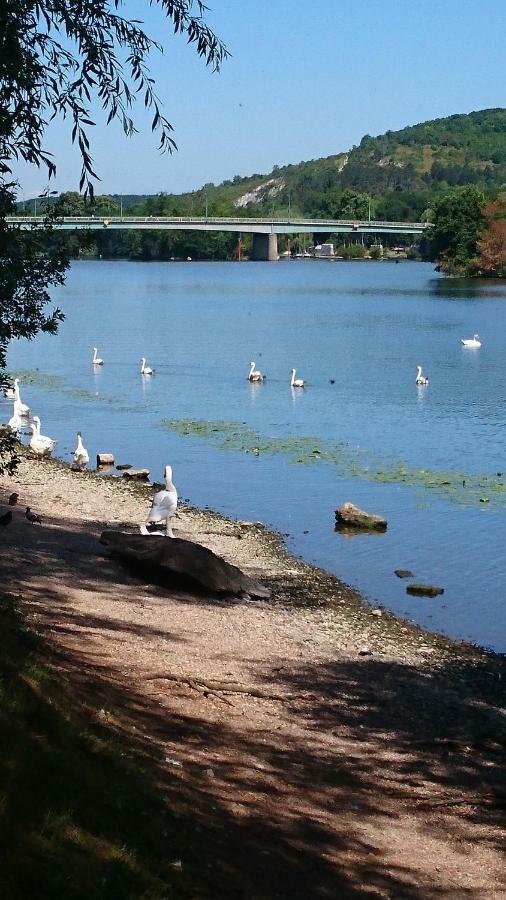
(6, 519)
(32, 517)
(13, 499)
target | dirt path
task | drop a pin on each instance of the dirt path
(373, 770)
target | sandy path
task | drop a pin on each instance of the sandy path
(377, 775)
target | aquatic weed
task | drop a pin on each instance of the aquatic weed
(461, 488)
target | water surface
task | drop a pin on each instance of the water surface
(424, 457)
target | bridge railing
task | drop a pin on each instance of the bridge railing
(318, 224)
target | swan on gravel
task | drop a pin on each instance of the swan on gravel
(39, 443)
(163, 507)
(20, 408)
(81, 455)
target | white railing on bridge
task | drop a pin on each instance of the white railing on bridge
(318, 224)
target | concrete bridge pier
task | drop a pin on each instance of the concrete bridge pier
(265, 247)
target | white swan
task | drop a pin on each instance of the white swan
(146, 370)
(164, 506)
(296, 382)
(420, 377)
(9, 393)
(81, 455)
(96, 360)
(20, 408)
(471, 342)
(15, 423)
(39, 443)
(254, 374)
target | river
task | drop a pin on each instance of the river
(430, 459)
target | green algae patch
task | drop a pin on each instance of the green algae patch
(38, 379)
(49, 382)
(461, 488)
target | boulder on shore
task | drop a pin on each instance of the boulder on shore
(141, 474)
(164, 558)
(350, 515)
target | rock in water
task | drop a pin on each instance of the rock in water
(142, 474)
(424, 590)
(105, 459)
(403, 573)
(349, 514)
(167, 557)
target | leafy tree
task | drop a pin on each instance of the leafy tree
(457, 222)
(492, 244)
(56, 58)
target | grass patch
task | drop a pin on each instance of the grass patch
(79, 817)
(461, 488)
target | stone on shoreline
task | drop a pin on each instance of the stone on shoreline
(136, 473)
(424, 590)
(105, 459)
(349, 514)
(122, 466)
(164, 558)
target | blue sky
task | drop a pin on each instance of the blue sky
(306, 79)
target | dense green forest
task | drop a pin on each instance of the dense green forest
(398, 176)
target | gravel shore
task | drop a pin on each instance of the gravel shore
(331, 749)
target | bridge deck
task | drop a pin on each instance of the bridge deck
(213, 223)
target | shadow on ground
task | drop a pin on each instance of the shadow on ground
(301, 808)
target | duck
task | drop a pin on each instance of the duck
(81, 455)
(296, 382)
(20, 408)
(146, 370)
(254, 374)
(471, 342)
(420, 377)
(39, 443)
(96, 359)
(163, 507)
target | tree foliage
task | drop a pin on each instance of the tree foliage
(56, 58)
(492, 244)
(457, 219)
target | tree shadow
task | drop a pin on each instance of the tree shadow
(301, 800)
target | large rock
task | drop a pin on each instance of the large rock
(165, 558)
(424, 590)
(349, 515)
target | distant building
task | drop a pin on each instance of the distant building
(326, 250)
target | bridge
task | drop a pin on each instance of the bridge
(264, 231)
